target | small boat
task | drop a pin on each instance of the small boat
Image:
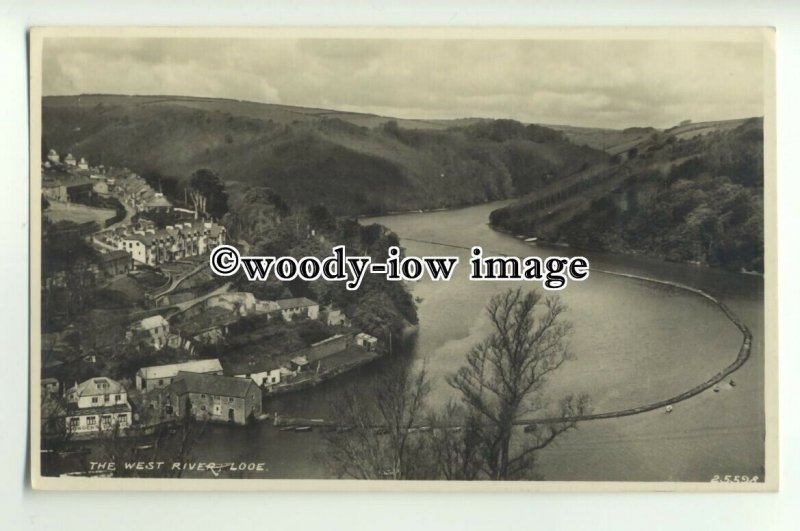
(287, 428)
(733, 383)
(668, 409)
(144, 446)
(302, 428)
(532, 240)
(716, 388)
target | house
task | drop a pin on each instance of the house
(263, 372)
(115, 263)
(299, 363)
(334, 317)
(152, 246)
(291, 308)
(149, 378)
(101, 188)
(52, 157)
(69, 160)
(97, 404)
(82, 164)
(154, 330)
(367, 341)
(158, 203)
(49, 386)
(210, 396)
(67, 188)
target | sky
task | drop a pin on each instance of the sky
(610, 83)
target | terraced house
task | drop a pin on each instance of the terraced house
(149, 245)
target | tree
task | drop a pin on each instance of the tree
(207, 193)
(169, 443)
(374, 439)
(503, 381)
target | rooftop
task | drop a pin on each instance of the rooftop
(172, 370)
(97, 386)
(189, 382)
(153, 322)
(114, 255)
(300, 302)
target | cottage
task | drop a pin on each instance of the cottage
(53, 158)
(291, 308)
(149, 378)
(367, 341)
(154, 330)
(299, 363)
(115, 263)
(263, 372)
(334, 317)
(158, 203)
(97, 404)
(83, 164)
(67, 188)
(216, 398)
(69, 160)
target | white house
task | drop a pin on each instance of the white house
(97, 404)
(149, 378)
(301, 306)
(367, 341)
(155, 330)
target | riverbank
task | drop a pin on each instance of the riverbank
(329, 367)
(539, 240)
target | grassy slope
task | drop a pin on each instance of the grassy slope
(693, 193)
(351, 162)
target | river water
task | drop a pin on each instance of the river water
(634, 342)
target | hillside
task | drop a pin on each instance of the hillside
(352, 163)
(693, 193)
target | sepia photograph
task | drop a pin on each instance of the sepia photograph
(381, 259)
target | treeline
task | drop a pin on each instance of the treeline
(263, 224)
(352, 169)
(698, 200)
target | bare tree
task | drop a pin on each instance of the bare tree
(166, 442)
(377, 436)
(454, 444)
(503, 380)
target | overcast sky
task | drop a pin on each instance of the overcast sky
(590, 83)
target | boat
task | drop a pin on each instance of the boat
(532, 239)
(716, 388)
(287, 428)
(302, 428)
(668, 409)
(733, 383)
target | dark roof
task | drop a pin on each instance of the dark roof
(254, 365)
(114, 255)
(211, 384)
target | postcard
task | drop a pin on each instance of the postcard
(498, 259)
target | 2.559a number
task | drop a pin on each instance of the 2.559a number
(733, 479)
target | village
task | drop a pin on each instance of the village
(181, 342)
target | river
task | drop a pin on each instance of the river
(634, 342)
